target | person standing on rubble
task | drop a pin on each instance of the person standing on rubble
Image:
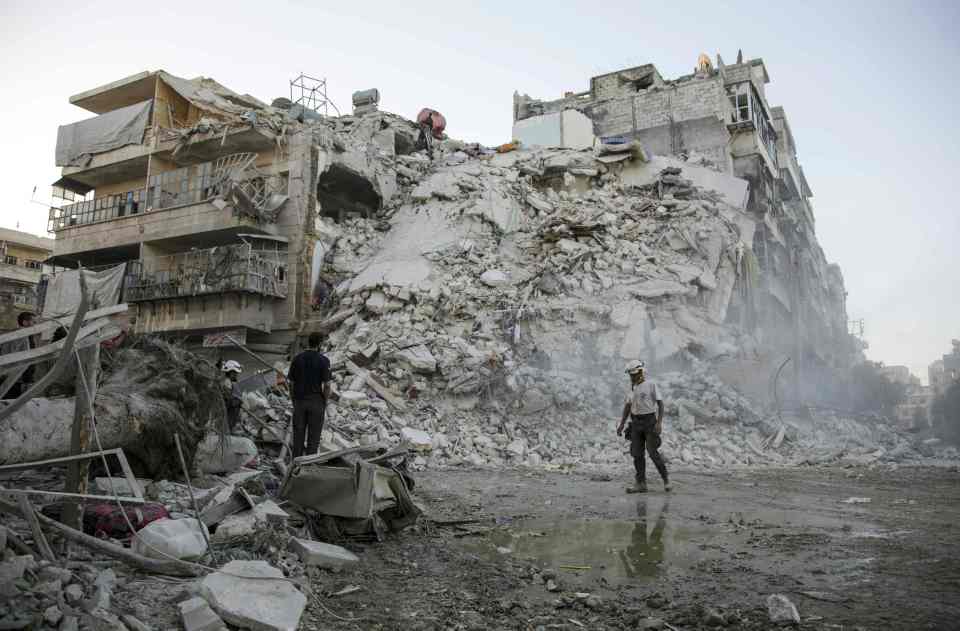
(310, 377)
(232, 396)
(644, 407)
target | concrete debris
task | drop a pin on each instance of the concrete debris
(196, 615)
(325, 555)
(239, 593)
(780, 609)
(176, 538)
(419, 440)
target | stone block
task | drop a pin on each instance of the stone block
(242, 598)
(418, 439)
(325, 555)
(197, 615)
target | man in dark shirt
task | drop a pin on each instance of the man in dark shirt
(310, 377)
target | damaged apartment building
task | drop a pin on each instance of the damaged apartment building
(718, 116)
(205, 200)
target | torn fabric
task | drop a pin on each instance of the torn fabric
(78, 142)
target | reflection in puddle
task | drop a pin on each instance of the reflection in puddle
(633, 549)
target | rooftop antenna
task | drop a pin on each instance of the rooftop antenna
(311, 93)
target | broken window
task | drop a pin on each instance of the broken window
(10, 260)
(33, 264)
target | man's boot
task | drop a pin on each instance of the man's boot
(666, 485)
(639, 487)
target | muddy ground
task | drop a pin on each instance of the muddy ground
(720, 541)
(705, 556)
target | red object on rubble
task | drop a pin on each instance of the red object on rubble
(106, 520)
(439, 122)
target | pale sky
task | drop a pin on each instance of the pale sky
(869, 88)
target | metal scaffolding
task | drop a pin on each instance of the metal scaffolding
(311, 93)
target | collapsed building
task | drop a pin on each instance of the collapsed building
(468, 294)
(719, 116)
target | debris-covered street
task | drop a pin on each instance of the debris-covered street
(388, 343)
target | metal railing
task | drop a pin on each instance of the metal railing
(187, 185)
(230, 268)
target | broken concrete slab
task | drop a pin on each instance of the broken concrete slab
(196, 615)
(419, 358)
(780, 609)
(243, 593)
(419, 440)
(324, 555)
(494, 278)
(246, 522)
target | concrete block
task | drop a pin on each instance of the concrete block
(240, 595)
(197, 615)
(418, 439)
(325, 555)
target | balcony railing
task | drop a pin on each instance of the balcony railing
(188, 185)
(223, 269)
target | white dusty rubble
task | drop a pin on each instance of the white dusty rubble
(500, 296)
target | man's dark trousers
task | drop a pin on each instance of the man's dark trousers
(643, 437)
(308, 416)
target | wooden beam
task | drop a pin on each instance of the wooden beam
(30, 515)
(55, 323)
(21, 466)
(88, 364)
(42, 353)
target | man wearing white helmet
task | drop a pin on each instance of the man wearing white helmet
(231, 391)
(644, 407)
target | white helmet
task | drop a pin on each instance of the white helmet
(232, 366)
(634, 367)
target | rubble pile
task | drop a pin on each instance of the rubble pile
(498, 296)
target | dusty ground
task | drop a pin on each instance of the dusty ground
(722, 541)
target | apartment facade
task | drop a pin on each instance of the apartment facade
(719, 117)
(210, 199)
(22, 257)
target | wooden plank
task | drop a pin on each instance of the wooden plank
(52, 325)
(45, 352)
(30, 515)
(88, 364)
(376, 386)
(82, 496)
(63, 460)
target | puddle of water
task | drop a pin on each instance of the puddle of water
(639, 549)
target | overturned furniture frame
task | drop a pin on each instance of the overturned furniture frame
(124, 465)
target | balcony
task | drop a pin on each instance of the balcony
(180, 187)
(237, 268)
(748, 112)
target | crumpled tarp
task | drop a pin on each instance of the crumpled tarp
(63, 291)
(78, 142)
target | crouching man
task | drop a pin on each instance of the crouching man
(644, 407)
